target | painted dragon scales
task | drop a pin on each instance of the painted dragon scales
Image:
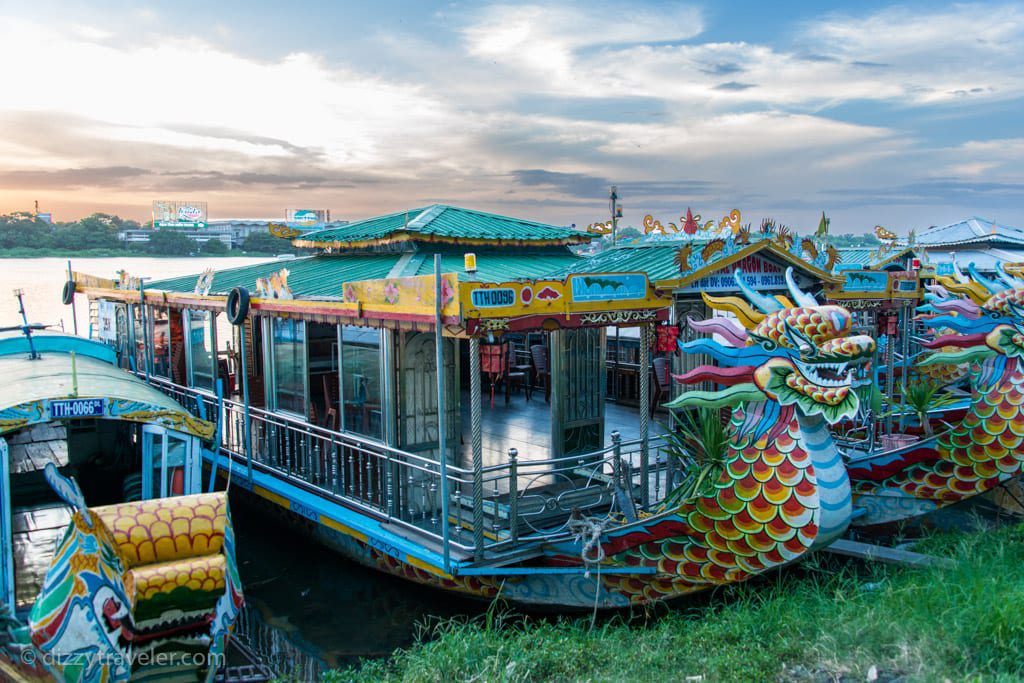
(784, 490)
(986, 447)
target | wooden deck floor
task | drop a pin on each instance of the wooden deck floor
(526, 426)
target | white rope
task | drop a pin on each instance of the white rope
(588, 530)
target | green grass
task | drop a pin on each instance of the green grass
(825, 620)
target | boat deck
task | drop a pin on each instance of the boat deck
(526, 426)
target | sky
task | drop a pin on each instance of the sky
(905, 115)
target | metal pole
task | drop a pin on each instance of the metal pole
(905, 369)
(645, 400)
(20, 293)
(6, 537)
(442, 427)
(245, 402)
(476, 420)
(615, 220)
(74, 316)
(513, 493)
(145, 335)
(890, 374)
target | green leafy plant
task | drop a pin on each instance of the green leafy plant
(699, 444)
(922, 396)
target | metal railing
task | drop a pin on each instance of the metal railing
(523, 500)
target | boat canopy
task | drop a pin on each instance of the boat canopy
(59, 386)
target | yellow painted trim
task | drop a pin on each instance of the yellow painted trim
(272, 497)
(341, 528)
(426, 566)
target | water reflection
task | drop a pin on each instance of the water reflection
(328, 608)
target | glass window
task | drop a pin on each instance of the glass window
(202, 350)
(361, 375)
(160, 339)
(289, 344)
(138, 339)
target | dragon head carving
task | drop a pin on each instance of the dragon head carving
(986, 317)
(800, 354)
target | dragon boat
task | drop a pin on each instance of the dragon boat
(141, 587)
(349, 390)
(980, 336)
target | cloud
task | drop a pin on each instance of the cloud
(540, 107)
(67, 178)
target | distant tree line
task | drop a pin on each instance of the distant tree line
(99, 231)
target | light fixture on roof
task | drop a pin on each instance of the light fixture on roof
(469, 262)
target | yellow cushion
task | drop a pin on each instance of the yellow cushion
(167, 529)
(199, 574)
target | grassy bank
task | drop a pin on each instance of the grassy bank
(31, 252)
(824, 621)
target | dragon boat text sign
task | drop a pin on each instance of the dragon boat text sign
(76, 407)
(758, 272)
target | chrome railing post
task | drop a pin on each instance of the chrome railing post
(513, 493)
(645, 399)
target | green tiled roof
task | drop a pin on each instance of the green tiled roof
(321, 275)
(440, 222)
(656, 259)
(324, 275)
(855, 258)
(516, 264)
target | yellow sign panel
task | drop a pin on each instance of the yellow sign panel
(411, 295)
(583, 293)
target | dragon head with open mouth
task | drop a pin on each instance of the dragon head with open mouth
(987, 321)
(802, 354)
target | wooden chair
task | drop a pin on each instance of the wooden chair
(662, 386)
(496, 362)
(542, 368)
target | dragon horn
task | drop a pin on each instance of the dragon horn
(957, 273)
(992, 286)
(801, 297)
(766, 303)
(1011, 281)
(743, 311)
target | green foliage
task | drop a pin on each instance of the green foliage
(266, 243)
(825, 620)
(700, 445)
(923, 395)
(171, 243)
(213, 248)
(98, 231)
(866, 239)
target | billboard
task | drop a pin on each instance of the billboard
(179, 214)
(308, 216)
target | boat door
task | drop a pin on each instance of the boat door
(171, 463)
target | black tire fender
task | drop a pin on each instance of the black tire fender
(237, 308)
(68, 295)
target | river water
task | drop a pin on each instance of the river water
(310, 607)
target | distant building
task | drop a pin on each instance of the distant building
(231, 231)
(974, 240)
